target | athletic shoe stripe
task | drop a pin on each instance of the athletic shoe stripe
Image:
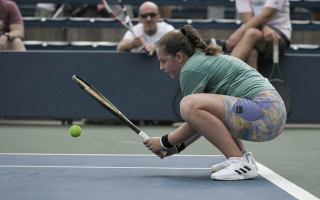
(244, 171)
(238, 172)
(247, 168)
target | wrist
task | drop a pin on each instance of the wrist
(165, 144)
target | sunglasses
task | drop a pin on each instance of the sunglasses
(145, 15)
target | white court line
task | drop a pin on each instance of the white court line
(265, 172)
(97, 167)
(64, 154)
(284, 184)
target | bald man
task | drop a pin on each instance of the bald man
(149, 30)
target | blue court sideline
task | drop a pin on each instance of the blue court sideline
(97, 176)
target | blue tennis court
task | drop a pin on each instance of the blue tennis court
(81, 176)
(40, 160)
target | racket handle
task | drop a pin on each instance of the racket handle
(144, 136)
(275, 52)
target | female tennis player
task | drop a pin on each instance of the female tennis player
(224, 99)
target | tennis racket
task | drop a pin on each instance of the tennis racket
(105, 103)
(280, 85)
(127, 23)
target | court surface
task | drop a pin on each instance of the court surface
(110, 162)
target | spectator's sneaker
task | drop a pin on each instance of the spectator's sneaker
(236, 169)
(219, 166)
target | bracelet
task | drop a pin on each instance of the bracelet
(165, 144)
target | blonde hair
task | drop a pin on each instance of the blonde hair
(188, 41)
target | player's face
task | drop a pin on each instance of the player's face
(168, 63)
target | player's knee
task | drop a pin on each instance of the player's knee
(187, 106)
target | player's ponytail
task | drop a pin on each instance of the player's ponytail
(188, 41)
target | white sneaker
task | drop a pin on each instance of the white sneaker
(249, 156)
(220, 166)
(236, 169)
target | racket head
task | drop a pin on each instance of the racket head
(285, 92)
(95, 94)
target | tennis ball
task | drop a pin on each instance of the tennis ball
(75, 131)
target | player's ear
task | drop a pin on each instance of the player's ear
(179, 56)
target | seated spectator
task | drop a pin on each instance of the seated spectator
(264, 22)
(149, 30)
(11, 26)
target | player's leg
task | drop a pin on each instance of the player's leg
(205, 113)
(239, 143)
(260, 119)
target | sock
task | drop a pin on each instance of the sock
(244, 152)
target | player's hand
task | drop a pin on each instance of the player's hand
(171, 151)
(270, 35)
(153, 144)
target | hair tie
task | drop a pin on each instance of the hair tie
(183, 31)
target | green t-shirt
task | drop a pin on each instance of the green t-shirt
(221, 74)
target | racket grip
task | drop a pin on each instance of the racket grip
(275, 52)
(144, 136)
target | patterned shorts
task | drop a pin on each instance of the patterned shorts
(259, 119)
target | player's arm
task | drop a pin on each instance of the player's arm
(185, 135)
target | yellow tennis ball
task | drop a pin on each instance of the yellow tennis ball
(75, 131)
